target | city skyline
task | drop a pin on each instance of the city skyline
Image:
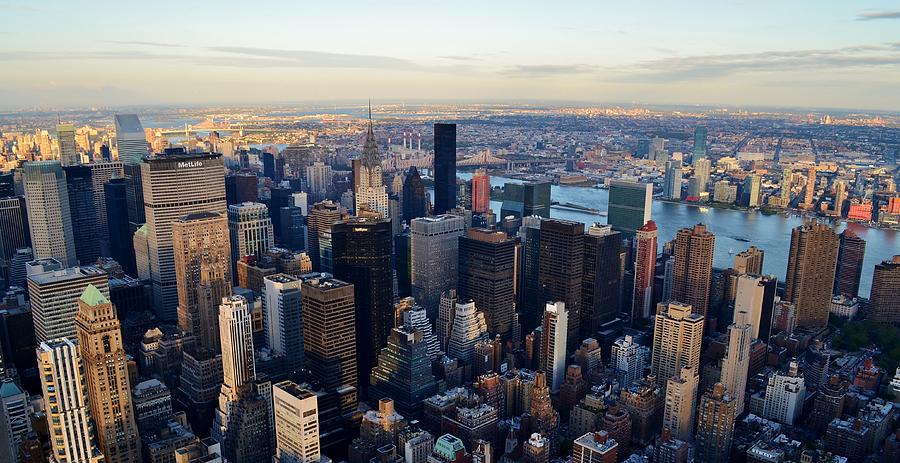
(799, 54)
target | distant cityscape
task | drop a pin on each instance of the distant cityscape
(450, 283)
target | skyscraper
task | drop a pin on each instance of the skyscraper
(243, 419)
(701, 178)
(851, 252)
(167, 180)
(527, 199)
(488, 264)
(672, 187)
(106, 372)
(469, 328)
(329, 338)
(694, 248)
(750, 191)
(552, 358)
(68, 150)
(630, 204)
(65, 390)
(681, 400)
(371, 194)
(601, 279)
(412, 314)
(54, 295)
(414, 200)
(446, 314)
(49, 215)
(203, 272)
(130, 139)
(715, 427)
(625, 357)
(561, 267)
(644, 270)
(737, 360)
(101, 174)
(785, 393)
(785, 186)
(283, 319)
(403, 372)
(700, 134)
(296, 424)
(677, 335)
(321, 217)
(756, 296)
(749, 261)
(434, 247)
(810, 272)
(236, 333)
(13, 231)
(251, 230)
(121, 248)
(529, 303)
(444, 167)
(884, 299)
(362, 256)
(83, 213)
(481, 191)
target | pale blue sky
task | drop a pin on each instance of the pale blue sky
(736, 53)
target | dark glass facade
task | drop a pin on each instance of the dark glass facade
(444, 168)
(560, 275)
(602, 285)
(121, 244)
(413, 196)
(80, 187)
(362, 251)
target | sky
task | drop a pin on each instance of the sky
(798, 53)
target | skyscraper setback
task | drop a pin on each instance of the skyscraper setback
(167, 180)
(106, 373)
(694, 249)
(203, 270)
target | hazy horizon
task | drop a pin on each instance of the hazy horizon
(813, 55)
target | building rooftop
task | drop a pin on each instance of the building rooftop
(93, 297)
(295, 390)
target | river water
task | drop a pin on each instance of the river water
(771, 233)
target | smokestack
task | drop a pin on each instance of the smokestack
(420, 142)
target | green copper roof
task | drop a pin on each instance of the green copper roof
(93, 297)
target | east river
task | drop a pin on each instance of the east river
(769, 232)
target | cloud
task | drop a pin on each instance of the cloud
(19, 7)
(871, 16)
(546, 70)
(460, 58)
(319, 59)
(686, 68)
(148, 44)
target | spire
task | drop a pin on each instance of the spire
(370, 158)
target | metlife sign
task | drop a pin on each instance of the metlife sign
(189, 164)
